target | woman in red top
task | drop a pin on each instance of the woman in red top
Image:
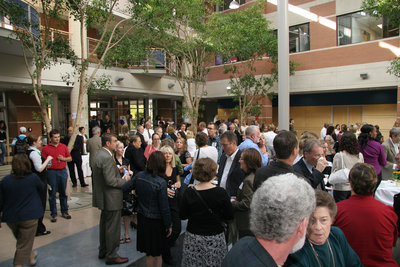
(155, 146)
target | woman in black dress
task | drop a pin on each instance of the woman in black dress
(173, 184)
(124, 169)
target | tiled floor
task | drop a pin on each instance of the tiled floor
(71, 242)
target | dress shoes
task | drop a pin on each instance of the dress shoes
(74, 185)
(43, 233)
(119, 260)
(66, 215)
(84, 185)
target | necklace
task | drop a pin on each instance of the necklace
(317, 257)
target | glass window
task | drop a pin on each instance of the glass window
(299, 38)
(360, 27)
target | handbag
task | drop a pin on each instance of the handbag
(340, 176)
(224, 225)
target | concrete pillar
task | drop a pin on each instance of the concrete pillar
(283, 65)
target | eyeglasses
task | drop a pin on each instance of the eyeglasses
(210, 128)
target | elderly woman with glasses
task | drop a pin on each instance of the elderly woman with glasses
(326, 245)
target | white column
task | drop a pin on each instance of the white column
(283, 66)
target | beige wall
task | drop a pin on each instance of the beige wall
(312, 118)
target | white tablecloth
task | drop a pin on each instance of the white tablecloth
(385, 192)
(85, 166)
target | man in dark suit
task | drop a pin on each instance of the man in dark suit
(391, 147)
(140, 132)
(100, 122)
(135, 154)
(76, 154)
(230, 175)
(92, 124)
(312, 164)
(107, 196)
(232, 128)
(286, 147)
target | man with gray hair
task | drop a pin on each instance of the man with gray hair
(313, 163)
(391, 148)
(280, 210)
(140, 133)
(93, 144)
(252, 138)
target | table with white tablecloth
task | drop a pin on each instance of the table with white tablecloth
(386, 190)
(87, 171)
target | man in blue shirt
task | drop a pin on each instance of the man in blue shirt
(252, 138)
(213, 138)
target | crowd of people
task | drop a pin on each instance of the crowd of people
(263, 191)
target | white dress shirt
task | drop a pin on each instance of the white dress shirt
(228, 165)
(147, 134)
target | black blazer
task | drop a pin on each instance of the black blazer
(144, 144)
(77, 149)
(275, 167)
(316, 177)
(136, 158)
(235, 176)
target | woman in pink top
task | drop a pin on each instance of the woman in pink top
(154, 146)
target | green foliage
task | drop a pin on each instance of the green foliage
(383, 8)
(394, 67)
(391, 10)
(102, 83)
(246, 35)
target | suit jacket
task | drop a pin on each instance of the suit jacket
(77, 149)
(144, 144)
(92, 146)
(107, 182)
(235, 176)
(390, 152)
(274, 168)
(315, 178)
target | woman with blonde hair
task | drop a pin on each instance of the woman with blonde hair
(181, 151)
(173, 184)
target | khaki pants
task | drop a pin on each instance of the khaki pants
(24, 232)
